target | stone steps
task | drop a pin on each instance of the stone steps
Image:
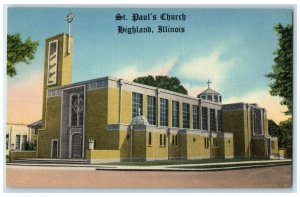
(49, 161)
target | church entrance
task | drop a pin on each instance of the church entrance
(77, 146)
(72, 129)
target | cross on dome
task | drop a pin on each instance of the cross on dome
(208, 82)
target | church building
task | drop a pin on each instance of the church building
(110, 119)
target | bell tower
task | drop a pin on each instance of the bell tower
(57, 63)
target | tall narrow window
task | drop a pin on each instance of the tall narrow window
(175, 114)
(77, 110)
(256, 121)
(219, 114)
(206, 142)
(186, 115)
(212, 119)
(160, 139)
(149, 139)
(7, 139)
(24, 139)
(176, 140)
(163, 112)
(165, 140)
(17, 142)
(204, 118)
(209, 97)
(136, 104)
(151, 110)
(195, 117)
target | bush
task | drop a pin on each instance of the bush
(27, 146)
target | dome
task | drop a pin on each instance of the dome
(139, 120)
(210, 95)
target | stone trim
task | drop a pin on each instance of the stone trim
(53, 93)
(94, 161)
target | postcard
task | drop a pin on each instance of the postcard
(140, 97)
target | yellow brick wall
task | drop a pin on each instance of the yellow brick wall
(113, 106)
(64, 66)
(102, 154)
(193, 149)
(274, 146)
(126, 117)
(139, 145)
(234, 122)
(155, 151)
(226, 149)
(174, 149)
(258, 147)
(52, 130)
(22, 154)
(124, 144)
(98, 106)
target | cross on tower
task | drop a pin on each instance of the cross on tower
(69, 19)
(208, 82)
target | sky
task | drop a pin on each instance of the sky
(233, 48)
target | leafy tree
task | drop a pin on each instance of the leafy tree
(282, 72)
(27, 146)
(283, 131)
(287, 128)
(165, 82)
(18, 52)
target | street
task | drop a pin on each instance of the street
(83, 177)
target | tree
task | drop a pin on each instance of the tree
(287, 128)
(18, 52)
(282, 71)
(283, 131)
(165, 82)
(27, 146)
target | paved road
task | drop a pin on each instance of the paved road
(61, 177)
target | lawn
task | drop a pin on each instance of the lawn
(175, 162)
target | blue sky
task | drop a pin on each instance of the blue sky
(231, 47)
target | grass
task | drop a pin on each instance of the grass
(175, 162)
(233, 165)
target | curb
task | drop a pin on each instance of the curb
(170, 169)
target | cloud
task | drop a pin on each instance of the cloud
(194, 90)
(265, 100)
(131, 72)
(207, 67)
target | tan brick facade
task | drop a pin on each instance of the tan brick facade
(102, 113)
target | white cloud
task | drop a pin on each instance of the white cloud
(265, 100)
(131, 72)
(194, 90)
(207, 67)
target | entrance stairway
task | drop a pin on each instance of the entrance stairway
(48, 161)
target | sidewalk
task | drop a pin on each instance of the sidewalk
(199, 167)
(174, 167)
